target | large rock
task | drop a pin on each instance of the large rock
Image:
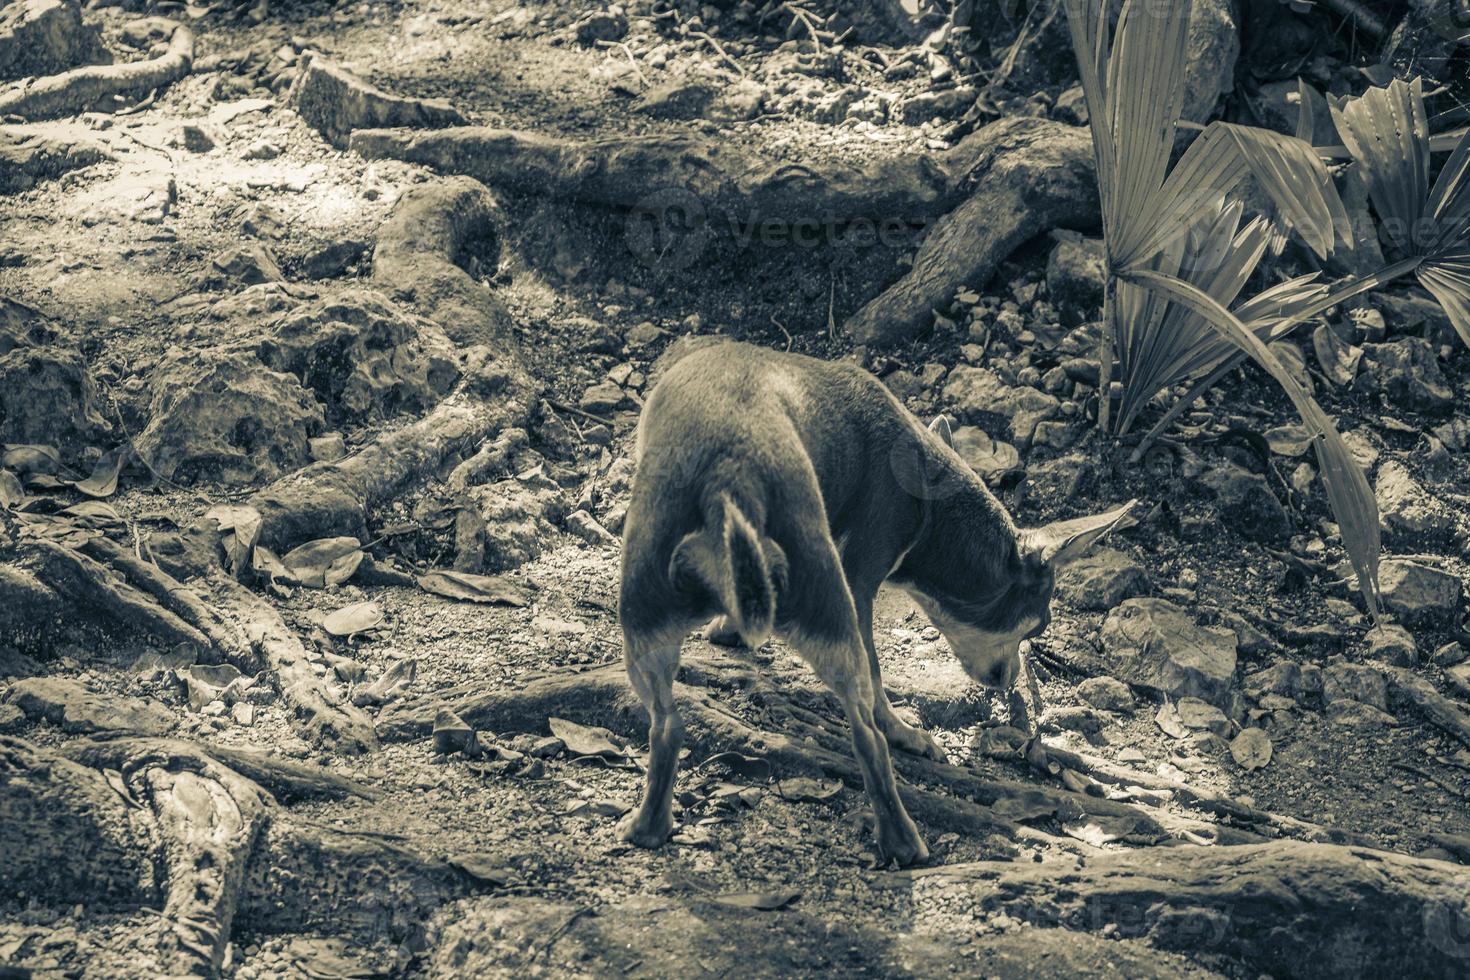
(47, 396)
(520, 518)
(75, 709)
(27, 157)
(334, 102)
(1406, 374)
(45, 37)
(1155, 644)
(225, 416)
(1101, 580)
(1406, 509)
(977, 391)
(1420, 595)
(1246, 503)
(363, 356)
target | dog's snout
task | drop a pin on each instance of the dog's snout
(999, 676)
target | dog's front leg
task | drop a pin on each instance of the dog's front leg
(842, 669)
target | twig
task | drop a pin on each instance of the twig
(799, 14)
(703, 36)
(563, 929)
(1364, 19)
(564, 407)
(631, 60)
(782, 327)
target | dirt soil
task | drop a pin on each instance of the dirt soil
(119, 256)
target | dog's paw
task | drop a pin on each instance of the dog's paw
(650, 834)
(913, 740)
(903, 848)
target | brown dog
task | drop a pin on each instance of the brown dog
(780, 491)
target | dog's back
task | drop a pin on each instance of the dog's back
(746, 455)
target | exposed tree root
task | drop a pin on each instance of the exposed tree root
(96, 86)
(799, 740)
(334, 102)
(1287, 909)
(1028, 177)
(1445, 713)
(127, 822)
(630, 172)
(420, 246)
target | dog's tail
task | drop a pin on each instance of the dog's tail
(743, 569)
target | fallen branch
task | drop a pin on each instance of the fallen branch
(334, 102)
(97, 86)
(1029, 177)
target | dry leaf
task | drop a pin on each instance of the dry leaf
(1251, 749)
(323, 562)
(392, 683)
(353, 619)
(12, 492)
(31, 460)
(764, 901)
(802, 789)
(103, 481)
(1338, 358)
(488, 589)
(584, 739)
(749, 767)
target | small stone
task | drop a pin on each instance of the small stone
(1074, 279)
(1202, 716)
(644, 334)
(1354, 682)
(1084, 721)
(1406, 373)
(1393, 644)
(1419, 595)
(1071, 107)
(1246, 503)
(1107, 694)
(1355, 714)
(1405, 508)
(328, 448)
(243, 714)
(602, 25)
(602, 397)
(262, 150)
(247, 265)
(195, 139)
(585, 526)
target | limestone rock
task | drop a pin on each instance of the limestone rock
(48, 396)
(27, 158)
(1355, 714)
(1101, 580)
(1246, 503)
(979, 391)
(1107, 694)
(334, 102)
(520, 519)
(246, 265)
(1393, 644)
(1420, 595)
(1405, 508)
(1354, 682)
(222, 415)
(1406, 374)
(1074, 277)
(363, 356)
(46, 37)
(1155, 644)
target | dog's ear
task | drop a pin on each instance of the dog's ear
(940, 428)
(1066, 541)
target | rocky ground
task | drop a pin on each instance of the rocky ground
(317, 401)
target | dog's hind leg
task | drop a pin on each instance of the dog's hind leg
(651, 669)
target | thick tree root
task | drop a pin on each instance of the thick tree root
(1028, 177)
(1286, 909)
(126, 822)
(96, 87)
(419, 248)
(725, 181)
(1443, 712)
(334, 102)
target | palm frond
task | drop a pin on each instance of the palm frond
(1352, 499)
(1387, 132)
